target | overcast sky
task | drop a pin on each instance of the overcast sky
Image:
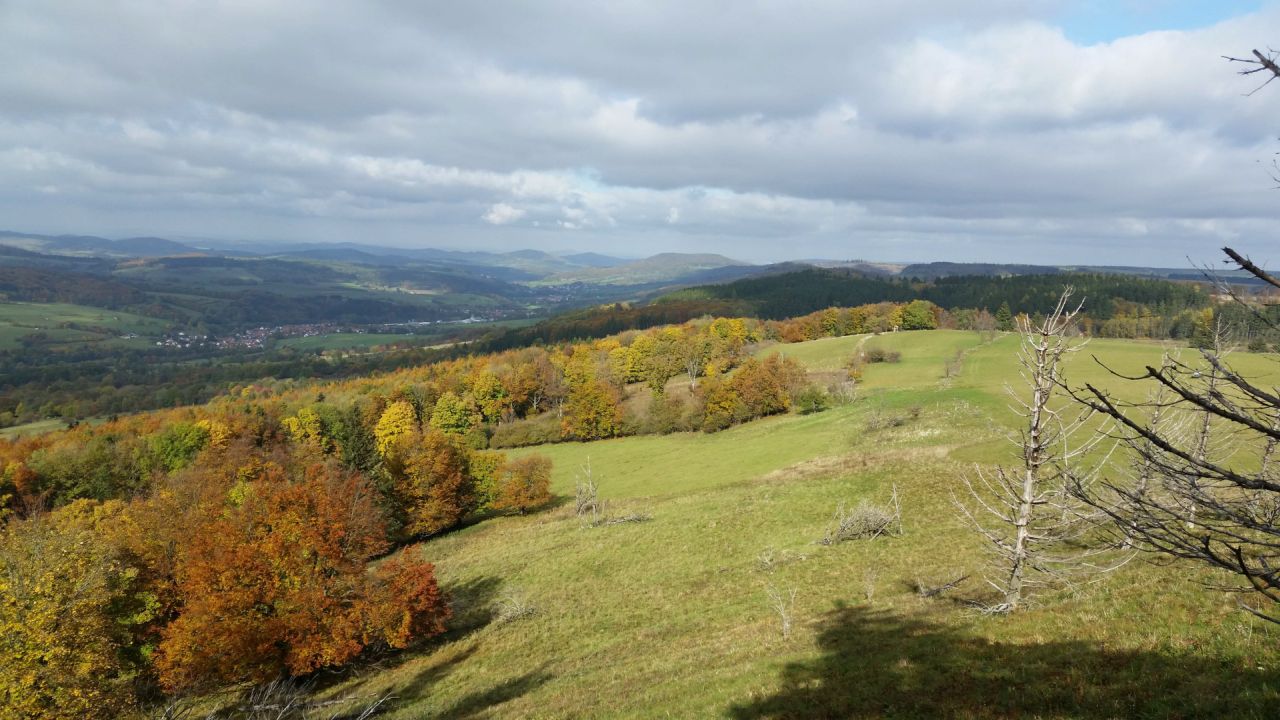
(984, 130)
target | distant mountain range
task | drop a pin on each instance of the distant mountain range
(525, 266)
(92, 246)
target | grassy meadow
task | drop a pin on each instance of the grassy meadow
(672, 617)
(62, 323)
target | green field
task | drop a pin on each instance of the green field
(342, 341)
(62, 324)
(671, 617)
(440, 333)
(33, 428)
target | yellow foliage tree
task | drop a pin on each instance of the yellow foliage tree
(62, 631)
(397, 421)
(306, 428)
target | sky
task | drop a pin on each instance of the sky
(1038, 131)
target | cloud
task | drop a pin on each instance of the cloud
(503, 214)
(913, 130)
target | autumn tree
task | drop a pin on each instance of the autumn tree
(396, 423)
(455, 414)
(524, 484)
(311, 427)
(486, 468)
(436, 490)
(276, 582)
(592, 411)
(490, 395)
(919, 315)
(66, 613)
(721, 405)
(664, 361)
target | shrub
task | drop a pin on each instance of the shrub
(666, 415)
(880, 419)
(855, 365)
(864, 522)
(812, 399)
(880, 355)
(523, 433)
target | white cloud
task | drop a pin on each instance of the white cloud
(503, 214)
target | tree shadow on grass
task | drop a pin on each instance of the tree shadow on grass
(473, 602)
(878, 664)
(474, 703)
(432, 674)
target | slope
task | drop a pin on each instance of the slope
(672, 616)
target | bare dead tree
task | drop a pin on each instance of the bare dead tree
(1265, 63)
(586, 494)
(1213, 493)
(1033, 524)
(784, 604)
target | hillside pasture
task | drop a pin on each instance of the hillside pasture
(672, 616)
(60, 323)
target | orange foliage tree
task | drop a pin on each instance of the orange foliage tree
(435, 490)
(524, 484)
(276, 582)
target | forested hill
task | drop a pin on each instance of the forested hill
(798, 293)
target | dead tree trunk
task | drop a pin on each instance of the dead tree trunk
(1026, 513)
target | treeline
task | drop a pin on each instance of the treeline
(598, 322)
(774, 297)
(1108, 295)
(1105, 295)
(95, 383)
(583, 391)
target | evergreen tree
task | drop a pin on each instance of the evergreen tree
(1004, 318)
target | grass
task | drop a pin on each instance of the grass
(439, 334)
(64, 324)
(32, 428)
(342, 341)
(671, 617)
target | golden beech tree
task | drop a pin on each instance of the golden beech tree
(276, 582)
(65, 618)
(524, 484)
(436, 489)
(592, 411)
(397, 421)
